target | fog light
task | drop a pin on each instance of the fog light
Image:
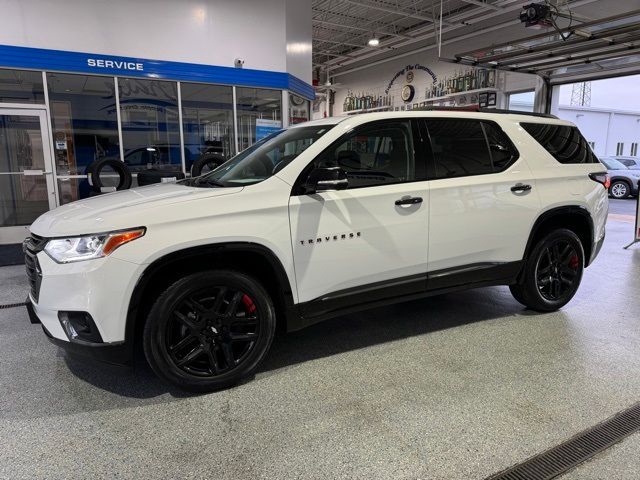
(79, 326)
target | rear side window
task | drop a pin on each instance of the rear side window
(563, 142)
(464, 147)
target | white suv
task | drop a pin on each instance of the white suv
(321, 219)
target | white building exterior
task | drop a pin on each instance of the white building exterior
(610, 132)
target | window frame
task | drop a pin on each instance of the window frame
(417, 138)
(431, 168)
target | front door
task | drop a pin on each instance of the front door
(371, 239)
(26, 171)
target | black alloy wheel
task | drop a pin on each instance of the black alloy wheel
(212, 331)
(552, 272)
(209, 330)
(557, 270)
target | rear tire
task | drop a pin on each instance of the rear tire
(552, 272)
(209, 330)
(620, 189)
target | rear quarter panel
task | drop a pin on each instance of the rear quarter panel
(562, 184)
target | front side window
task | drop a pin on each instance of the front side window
(263, 159)
(563, 142)
(376, 154)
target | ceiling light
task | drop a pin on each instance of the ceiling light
(373, 42)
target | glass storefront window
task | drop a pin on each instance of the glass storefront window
(150, 124)
(21, 86)
(23, 198)
(85, 126)
(259, 114)
(207, 120)
(298, 109)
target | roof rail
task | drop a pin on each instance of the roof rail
(475, 108)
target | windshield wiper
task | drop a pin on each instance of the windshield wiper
(210, 181)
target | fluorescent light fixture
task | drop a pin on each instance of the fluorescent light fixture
(373, 42)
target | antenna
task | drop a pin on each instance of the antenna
(581, 94)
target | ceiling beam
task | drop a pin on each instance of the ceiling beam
(357, 45)
(354, 27)
(394, 11)
(473, 17)
(484, 5)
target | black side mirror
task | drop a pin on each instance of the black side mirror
(327, 178)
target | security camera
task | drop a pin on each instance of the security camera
(536, 15)
(238, 63)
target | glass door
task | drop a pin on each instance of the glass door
(26, 171)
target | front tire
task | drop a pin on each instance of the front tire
(552, 272)
(209, 330)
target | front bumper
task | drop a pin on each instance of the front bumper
(83, 306)
(115, 353)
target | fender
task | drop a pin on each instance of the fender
(561, 211)
(217, 249)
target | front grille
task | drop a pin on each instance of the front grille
(32, 246)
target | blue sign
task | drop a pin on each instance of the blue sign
(264, 128)
(79, 62)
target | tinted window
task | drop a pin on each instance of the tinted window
(502, 151)
(563, 142)
(459, 148)
(376, 154)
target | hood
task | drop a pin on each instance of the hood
(119, 210)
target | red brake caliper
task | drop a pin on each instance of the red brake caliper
(248, 304)
(573, 262)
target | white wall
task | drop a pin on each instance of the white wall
(210, 32)
(374, 79)
(604, 127)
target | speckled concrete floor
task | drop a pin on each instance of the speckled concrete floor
(452, 387)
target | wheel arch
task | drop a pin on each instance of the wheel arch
(573, 217)
(622, 179)
(251, 258)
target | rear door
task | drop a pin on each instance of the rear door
(364, 242)
(483, 201)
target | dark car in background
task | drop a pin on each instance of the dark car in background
(624, 181)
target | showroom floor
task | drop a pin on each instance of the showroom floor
(451, 387)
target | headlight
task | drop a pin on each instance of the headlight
(76, 249)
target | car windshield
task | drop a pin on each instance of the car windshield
(263, 159)
(613, 164)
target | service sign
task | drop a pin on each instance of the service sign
(117, 64)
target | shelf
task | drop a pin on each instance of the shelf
(431, 101)
(460, 94)
(367, 110)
